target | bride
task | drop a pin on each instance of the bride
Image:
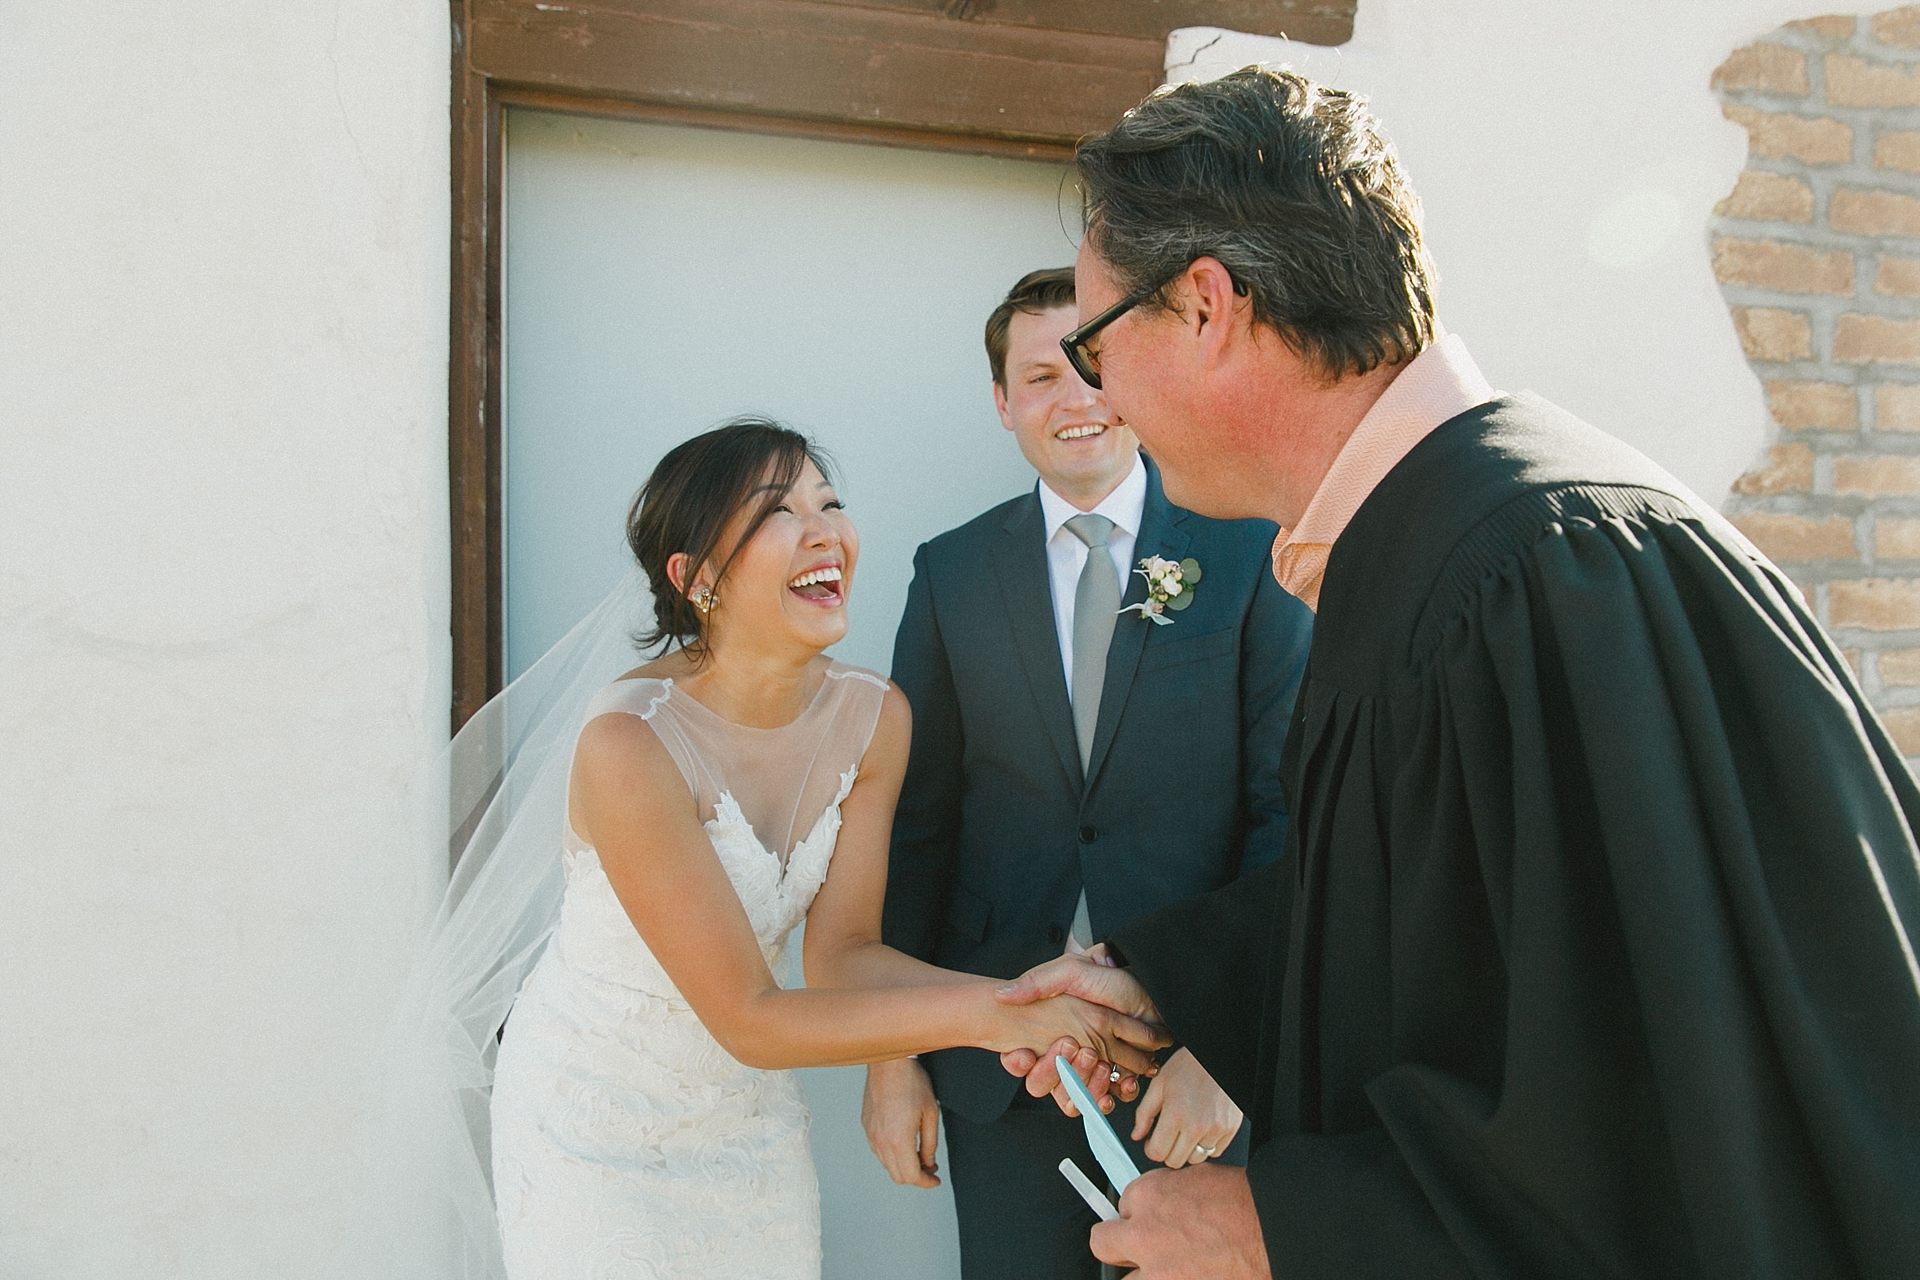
(644, 1120)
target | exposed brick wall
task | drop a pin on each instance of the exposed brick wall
(1817, 250)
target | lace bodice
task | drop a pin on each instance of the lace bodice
(753, 788)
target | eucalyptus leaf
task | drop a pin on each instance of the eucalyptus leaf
(1190, 570)
(1180, 601)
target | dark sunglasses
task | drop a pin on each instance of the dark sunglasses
(1085, 361)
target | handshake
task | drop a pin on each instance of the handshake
(1188, 1220)
(1083, 1008)
(1093, 977)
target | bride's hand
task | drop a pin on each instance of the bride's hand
(1121, 1039)
(1098, 1076)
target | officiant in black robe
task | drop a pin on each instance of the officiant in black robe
(1592, 950)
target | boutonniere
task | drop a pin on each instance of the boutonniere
(1170, 585)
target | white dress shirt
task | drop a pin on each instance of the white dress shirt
(1067, 555)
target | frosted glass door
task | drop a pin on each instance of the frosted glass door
(660, 279)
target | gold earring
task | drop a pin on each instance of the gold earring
(704, 599)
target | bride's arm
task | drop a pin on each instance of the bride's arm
(628, 799)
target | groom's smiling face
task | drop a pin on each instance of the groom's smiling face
(1064, 427)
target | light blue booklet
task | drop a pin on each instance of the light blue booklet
(1106, 1144)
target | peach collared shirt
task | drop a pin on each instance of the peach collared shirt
(1441, 383)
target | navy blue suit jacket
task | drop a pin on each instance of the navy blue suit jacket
(997, 830)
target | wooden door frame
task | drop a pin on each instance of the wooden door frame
(1024, 78)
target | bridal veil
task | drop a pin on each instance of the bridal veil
(498, 796)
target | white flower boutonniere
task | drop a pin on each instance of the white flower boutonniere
(1170, 587)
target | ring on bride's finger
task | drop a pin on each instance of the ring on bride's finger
(1113, 1075)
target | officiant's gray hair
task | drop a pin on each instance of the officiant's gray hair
(1288, 184)
(692, 497)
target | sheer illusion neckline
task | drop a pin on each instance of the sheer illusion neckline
(772, 784)
(680, 694)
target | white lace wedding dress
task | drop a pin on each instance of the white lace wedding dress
(627, 1144)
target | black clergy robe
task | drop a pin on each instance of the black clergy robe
(1590, 952)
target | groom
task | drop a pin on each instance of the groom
(1074, 767)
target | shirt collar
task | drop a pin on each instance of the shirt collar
(1442, 382)
(1126, 506)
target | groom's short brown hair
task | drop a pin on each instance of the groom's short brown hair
(1288, 184)
(1035, 292)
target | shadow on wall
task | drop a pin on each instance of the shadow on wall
(1817, 251)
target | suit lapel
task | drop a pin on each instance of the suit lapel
(1161, 535)
(1020, 567)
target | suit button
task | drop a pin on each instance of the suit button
(1056, 935)
(1087, 834)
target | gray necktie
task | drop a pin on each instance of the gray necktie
(1096, 602)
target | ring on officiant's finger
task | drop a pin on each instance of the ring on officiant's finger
(1202, 1151)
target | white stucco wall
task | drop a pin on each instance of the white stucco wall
(223, 232)
(1569, 156)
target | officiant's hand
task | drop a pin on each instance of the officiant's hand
(1186, 1224)
(902, 1120)
(1189, 1116)
(1090, 975)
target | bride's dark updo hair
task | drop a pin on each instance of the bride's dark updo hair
(694, 494)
